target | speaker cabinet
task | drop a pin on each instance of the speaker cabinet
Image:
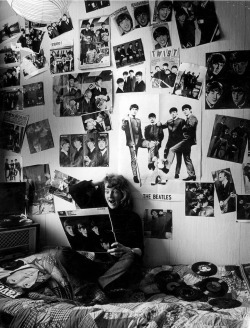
(18, 241)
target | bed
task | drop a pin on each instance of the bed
(143, 306)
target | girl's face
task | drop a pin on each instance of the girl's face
(113, 197)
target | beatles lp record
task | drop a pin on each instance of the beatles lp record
(204, 269)
(224, 303)
(213, 287)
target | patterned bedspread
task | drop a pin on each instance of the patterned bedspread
(158, 310)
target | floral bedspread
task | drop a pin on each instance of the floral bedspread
(158, 310)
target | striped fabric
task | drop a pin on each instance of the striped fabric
(40, 11)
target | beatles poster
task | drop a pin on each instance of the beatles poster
(39, 136)
(94, 43)
(62, 57)
(82, 93)
(123, 20)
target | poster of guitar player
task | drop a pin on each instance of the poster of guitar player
(159, 140)
(82, 93)
(224, 186)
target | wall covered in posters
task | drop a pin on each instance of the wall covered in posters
(175, 78)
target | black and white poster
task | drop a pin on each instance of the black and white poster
(246, 176)
(199, 199)
(33, 94)
(10, 54)
(161, 36)
(228, 80)
(60, 27)
(164, 65)
(9, 76)
(92, 5)
(10, 28)
(243, 208)
(158, 223)
(123, 20)
(39, 199)
(224, 186)
(196, 22)
(88, 230)
(190, 80)
(31, 38)
(97, 122)
(39, 136)
(11, 99)
(229, 138)
(33, 64)
(62, 57)
(60, 184)
(131, 80)
(162, 11)
(12, 170)
(141, 11)
(94, 43)
(129, 53)
(82, 93)
(91, 150)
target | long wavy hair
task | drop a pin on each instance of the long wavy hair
(121, 184)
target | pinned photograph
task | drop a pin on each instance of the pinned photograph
(129, 53)
(196, 22)
(141, 11)
(39, 200)
(224, 186)
(123, 20)
(228, 80)
(158, 224)
(94, 42)
(62, 57)
(199, 199)
(33, 64)
(91, 5)
(246, 176)
(9, 77)
(131, 81)
(162, 11)
(189, 81)
(229, 138)
(10, 55)
(12, 171)
(12, 129)
(9, 29)
(60, 184)
(31, 38)
(164, 65)
(39, 136)
(97, 122)
(243, 208)
(161, 36)
(96, 150)
(60, 27)
(88, 230)
(82, 93)
(11, 99)
(33, 94)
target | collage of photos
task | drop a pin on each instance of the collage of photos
(62, 57)
(129, 53)
(228, 80)
(158, 223)
(94, 43)
(88, 229)
(39, 136)
(229, 138)
(164, 65)
(91, 150)
(199, 199)
(82, 93)
(39, 200)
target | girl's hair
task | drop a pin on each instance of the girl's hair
(121, 184)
